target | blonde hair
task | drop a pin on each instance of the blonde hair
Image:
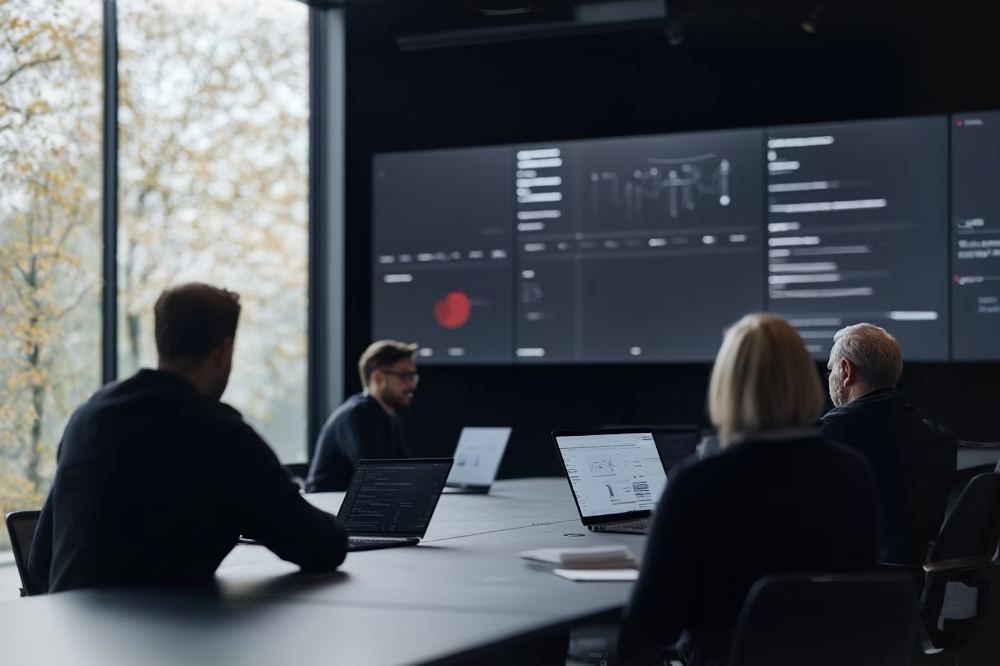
(764, 379)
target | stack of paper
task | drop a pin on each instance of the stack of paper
(596, 558)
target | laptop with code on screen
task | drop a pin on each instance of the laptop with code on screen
(618, 476)
(389, 503)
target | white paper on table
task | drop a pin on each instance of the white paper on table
(597, 574)
(582, 556)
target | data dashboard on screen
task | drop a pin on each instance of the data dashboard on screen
(636, 249)
(442, 253)
(592, 251)
(855, 231)
(644, 249)
(975, 236)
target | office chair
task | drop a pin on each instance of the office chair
(965, 552)
(865, 619)
(21, 529)
(962, 479)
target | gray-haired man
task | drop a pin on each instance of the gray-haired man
(914, 464)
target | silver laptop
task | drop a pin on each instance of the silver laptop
(389, 503)
(477, 459)
(617, 476)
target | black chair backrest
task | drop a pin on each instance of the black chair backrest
(21, 530)
(962, 479)
(866, 619)
(972, 527)
(997, 467)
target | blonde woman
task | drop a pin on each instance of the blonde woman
(778, 498)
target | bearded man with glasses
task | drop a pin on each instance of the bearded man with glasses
(366, 426)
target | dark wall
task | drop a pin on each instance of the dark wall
(899, 61)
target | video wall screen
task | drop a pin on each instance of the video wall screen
(624, 235)
(643, 249)
(856, 231)
(975, 236)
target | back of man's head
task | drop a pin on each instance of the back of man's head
(875, 355)
(193, 319)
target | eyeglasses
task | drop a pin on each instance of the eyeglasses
(405, 376)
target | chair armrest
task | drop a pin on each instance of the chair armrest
(892, 567)
(913, 571)
(958, 565)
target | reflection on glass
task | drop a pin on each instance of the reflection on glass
(214, 112)
(50, 233)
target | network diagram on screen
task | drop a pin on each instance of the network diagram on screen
(644, 249)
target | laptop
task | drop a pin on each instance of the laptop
(673, 442)
(477, 459)
(389, 503)
(618, 476)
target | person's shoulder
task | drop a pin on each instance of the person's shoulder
(229, 432)
(353, 408)
(223, 417)
(850, 422)
(223, 412)
(845, 457)
(100, 405)
(693, 472)
(839, 415)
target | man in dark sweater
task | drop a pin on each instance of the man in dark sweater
(157, 479)
(914, 464)
(366, 426)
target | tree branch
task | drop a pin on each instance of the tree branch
(32, 63)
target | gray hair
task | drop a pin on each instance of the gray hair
(875, 354)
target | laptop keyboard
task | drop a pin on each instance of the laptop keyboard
(632, 527)
(367, 541)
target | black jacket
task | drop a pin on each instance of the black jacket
(155, 483)
(914, 467)
(359, 429)
(757, 508)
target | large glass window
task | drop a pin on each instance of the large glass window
(213, 187)
(51, 89)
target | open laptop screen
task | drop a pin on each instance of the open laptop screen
(478, 456)
(394, 497)
(676, 444)
(613, 473)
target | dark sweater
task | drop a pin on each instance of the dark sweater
(914, 467)
(154, 485)
(359, 429)
(757, 508)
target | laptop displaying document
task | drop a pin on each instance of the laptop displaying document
(477, 458)
(389, 503)
(618, 476)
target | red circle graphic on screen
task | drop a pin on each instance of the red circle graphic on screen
(453, 311)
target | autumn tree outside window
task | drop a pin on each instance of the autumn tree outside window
(212, 185)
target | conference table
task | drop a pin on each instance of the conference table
(464, 591)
